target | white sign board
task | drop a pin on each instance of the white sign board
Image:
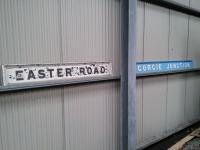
(20, 74)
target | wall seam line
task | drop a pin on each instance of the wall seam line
(185, 112)
(143, 79)
(61, 60)
(167, 86)
(60, 30)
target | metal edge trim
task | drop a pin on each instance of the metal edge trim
(174, 6)
(174, 61)
(53, 84)
(167, 73)
(51, 64)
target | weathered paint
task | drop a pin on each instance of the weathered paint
(19, 74)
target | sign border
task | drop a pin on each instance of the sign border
(163, 71)
(5, 83)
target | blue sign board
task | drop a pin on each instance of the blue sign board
(163, 66)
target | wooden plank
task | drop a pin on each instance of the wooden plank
(182, 142)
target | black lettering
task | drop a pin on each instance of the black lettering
(103, 69)
(19, 76)
(41, 74)
(96, 71)
(59, 72)
(82, 70)
(68, 72)
(89, 70)
(50, 72)
(31, 75)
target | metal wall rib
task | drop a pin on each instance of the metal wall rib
(29, 31)
(52, 31)
(92, 117)
(31, 122)
(29, 34)
(91, 32)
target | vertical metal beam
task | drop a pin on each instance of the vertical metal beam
(128, 76)
(132, 75)
(124, 78)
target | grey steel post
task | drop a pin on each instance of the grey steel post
(128, 76)
(124, 79)
(132, 75)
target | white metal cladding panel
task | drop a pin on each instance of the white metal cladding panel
(195, 4)
(193, 97)
(91, 31)
(193, 82)
(92, 117)
(29, 34)
(51, 31)
(178, 46)
(178, 37)
(140, 32)
(175, 99)
(31, 120)
(194, 44)
(139, 112)
(154, 108)
(184, 2)
(155, 89)
(194, 35)
(156, 33)
(139, 85)
(29, 31)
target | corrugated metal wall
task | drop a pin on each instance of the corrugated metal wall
(168, 103)
(79, 117)
(86, 117)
